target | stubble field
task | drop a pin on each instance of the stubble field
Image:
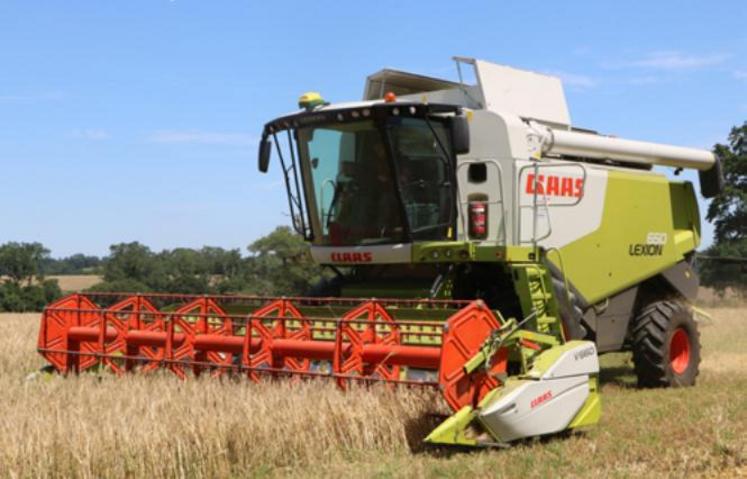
(158, 426)
(76, 282)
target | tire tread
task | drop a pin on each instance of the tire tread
(650, 349)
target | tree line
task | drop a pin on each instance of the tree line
(75, 264)
(23, 286)
(724, 264)
(277, 264)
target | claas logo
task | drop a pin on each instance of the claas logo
(555, 185)
(544, 397)
(347, 257)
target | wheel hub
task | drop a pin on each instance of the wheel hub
(679, 351)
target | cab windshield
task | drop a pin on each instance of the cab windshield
(376, 182)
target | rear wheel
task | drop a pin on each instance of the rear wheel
(666, 345)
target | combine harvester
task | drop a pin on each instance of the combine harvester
(513, 246)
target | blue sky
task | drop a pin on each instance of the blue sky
(138, 120)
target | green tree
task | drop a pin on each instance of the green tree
(228, 270)
(136, 264)
(123, 285)
(22, 283)
(75, 264)
(133, 267)
(21, 262)
(728, 212)
(17, 298)
(187, 271)
(281, 264)
(221, 262)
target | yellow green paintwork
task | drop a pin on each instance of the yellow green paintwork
(443, 251)
(508, 254)
(466, 251)
(453, 430)
(591, 411)
(533, 285)
(600, 264)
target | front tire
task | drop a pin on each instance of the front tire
(666, 345)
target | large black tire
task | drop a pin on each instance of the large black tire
(666, 345)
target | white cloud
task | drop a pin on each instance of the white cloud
(740, 74)
(574, 80)
(95, 134)
(203, 137)
(673, 60)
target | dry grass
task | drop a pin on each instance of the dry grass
(157, 426)
(76, 282)
(729, 298)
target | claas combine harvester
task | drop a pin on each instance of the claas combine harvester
(511, 247)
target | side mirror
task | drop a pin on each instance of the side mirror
(460, 134)
(712, 181)
(265, 148)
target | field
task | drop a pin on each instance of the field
(157, 426)
(76, 282)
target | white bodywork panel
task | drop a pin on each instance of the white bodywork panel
(569, 201)
(534, 407)
(523, 93)
(389, 253)
(514, 416)
(582, 359)
(496, 140)
(491, 191)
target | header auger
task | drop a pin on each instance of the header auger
(519, 245)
